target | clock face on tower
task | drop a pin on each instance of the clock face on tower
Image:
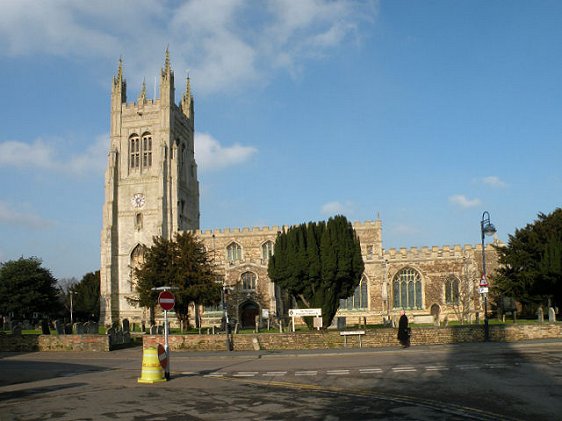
(137, 200)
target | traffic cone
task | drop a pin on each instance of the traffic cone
(152, 371)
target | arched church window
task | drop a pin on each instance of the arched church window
(249, 281)
(266, 251)
(137, 260)
(452, 292)
(146, 150)
(407, 289)
(360, 298)
(134, 151)
(233, 252)
(138, 221)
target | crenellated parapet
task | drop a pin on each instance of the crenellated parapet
(434, 252)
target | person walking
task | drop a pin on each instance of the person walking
(403, 330)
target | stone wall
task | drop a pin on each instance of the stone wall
(375, 338)
(28, 343)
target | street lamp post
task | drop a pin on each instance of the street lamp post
(486, 228)
(71, 293)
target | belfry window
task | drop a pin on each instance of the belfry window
(146, 150)
(134, 152)
(140, 151)
(407, 289)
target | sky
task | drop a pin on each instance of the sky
(424, 114)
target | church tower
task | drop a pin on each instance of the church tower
(151, 185)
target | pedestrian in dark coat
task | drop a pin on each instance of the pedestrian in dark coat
(403, 330)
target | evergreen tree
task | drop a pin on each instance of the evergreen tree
(318, 264)
(531, 262)
(26, 288)
(86, 297)
(182, 263)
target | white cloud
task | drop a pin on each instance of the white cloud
(211, 155)
(19, 154)
(44, 156)
(226, 44)
(493, 181)
(337, 208)
(463, 201)
(10, 216)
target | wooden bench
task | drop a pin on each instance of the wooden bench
(346, 333)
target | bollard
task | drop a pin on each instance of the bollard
(152, 371)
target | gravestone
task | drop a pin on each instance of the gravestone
(59, 327)
(540, 315)
(45, 327)
(551, 315)
(125, 326)
(68, 329)
(94, 328)
(153, 330)
(78, 328)
(16, 329)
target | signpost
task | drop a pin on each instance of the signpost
(303, 312)
(483, 289)
(167, 301)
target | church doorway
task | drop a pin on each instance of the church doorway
(248, 312)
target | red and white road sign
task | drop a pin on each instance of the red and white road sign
(483, 281)
(162, 357)
(166, 300)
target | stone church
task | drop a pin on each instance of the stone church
(151, 188)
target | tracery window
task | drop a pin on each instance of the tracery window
(452, 292)
(407, 289)
(134, 152)
(360, 298)
(146, 150)
(140, 151)
(249, 281)
(266, 251)
(137, 259)
(233, 252)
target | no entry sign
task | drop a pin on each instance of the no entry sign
(166, 300)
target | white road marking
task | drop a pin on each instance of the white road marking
(403, 369)
(370, 370)
(275, 373)
(245, 374)
(336, 372)
(436, 368)
(216, 374)
(306, 373)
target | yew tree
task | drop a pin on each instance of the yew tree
(183, 264)
(318, 264)
(531, 263)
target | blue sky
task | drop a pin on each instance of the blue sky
(426, 113)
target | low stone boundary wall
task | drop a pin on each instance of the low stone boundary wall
(374, 338)
(28, 343)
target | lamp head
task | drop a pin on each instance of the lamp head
(489, 229)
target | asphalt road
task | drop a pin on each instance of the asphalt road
(486, 381)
